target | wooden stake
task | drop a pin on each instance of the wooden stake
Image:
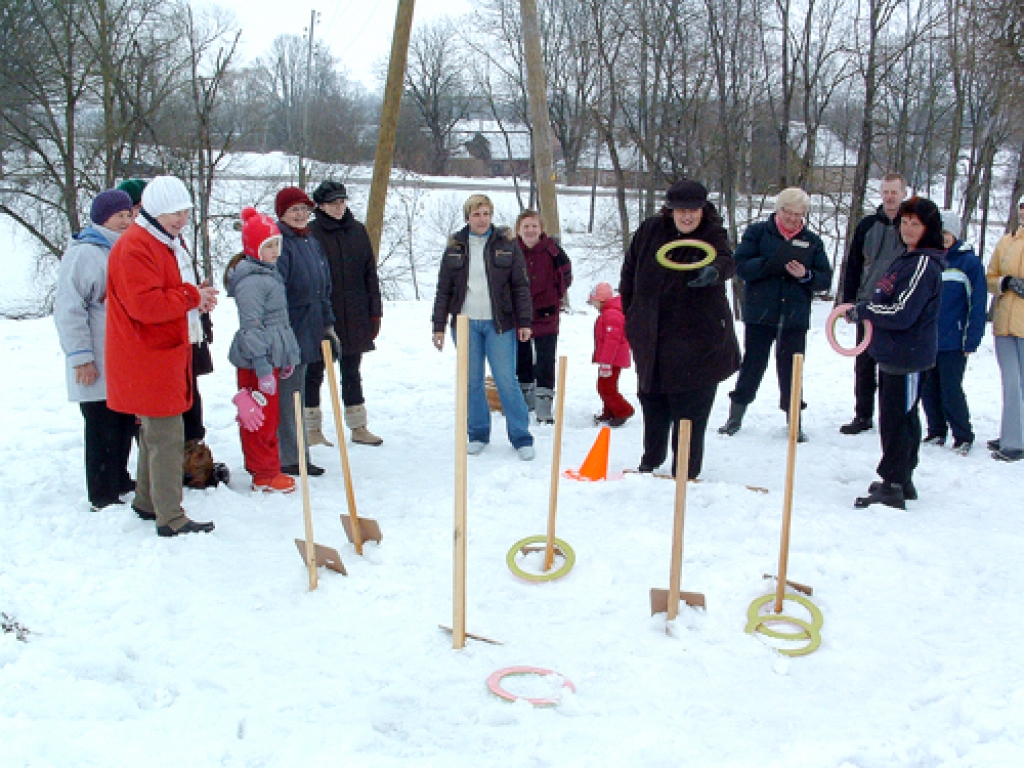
(556, 458)
(300, 438)
(358, 528)
(795, 398)
(461, 495)
(388, 132)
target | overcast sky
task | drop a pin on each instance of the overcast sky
(358, 31)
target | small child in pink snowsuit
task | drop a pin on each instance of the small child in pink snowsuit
(611, 353)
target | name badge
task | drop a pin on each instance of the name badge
(801, 243)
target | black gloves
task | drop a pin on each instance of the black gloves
(1014, 284)
(852, 315)
(706, 276)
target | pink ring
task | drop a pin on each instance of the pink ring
(494, 683)
(830, 332)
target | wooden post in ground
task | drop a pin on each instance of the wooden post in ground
(461, 495)
(795, 398)
(540, 119)
(389, 122)
(556, 460)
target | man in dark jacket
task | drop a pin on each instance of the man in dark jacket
(782, 264)
(355, 298)
(904, 310)
(876, 245)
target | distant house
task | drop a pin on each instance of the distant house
(831, 169)
(489, 148)
(595, 167)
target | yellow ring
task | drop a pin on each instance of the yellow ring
(811, 635)
(754, 616)
(561, 546)
(662, 255)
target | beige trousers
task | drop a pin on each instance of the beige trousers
(158, 477)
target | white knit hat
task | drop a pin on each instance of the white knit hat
(951, 223)
(165, 194)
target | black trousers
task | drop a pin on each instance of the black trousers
(865, 381)
(662, 414)
(108, 442)
(192, 419)
(540, 369)
(943, 398)
(351, 381)
(757, 347)
(899, 425)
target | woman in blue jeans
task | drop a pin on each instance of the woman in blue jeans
(483, 275)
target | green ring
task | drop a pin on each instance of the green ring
(662, 255)
(810, 634)
(754, 617)
(565, 549)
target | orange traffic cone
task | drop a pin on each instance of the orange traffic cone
(595, 466)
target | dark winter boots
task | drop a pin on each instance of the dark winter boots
(735, 420)
(890, 494)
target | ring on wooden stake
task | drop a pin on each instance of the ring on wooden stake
(830, 332)
(662, 255)
(561, 548)
(494, 683)
(809, 630)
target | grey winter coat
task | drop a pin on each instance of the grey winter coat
(264, 340)
(80, 309)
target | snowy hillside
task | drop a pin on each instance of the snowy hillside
(210, 650)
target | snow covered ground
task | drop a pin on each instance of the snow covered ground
(211, 650)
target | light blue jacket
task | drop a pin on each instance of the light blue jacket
(80, 309)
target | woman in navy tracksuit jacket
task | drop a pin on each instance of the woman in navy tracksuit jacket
(904, 310)
(961, 327)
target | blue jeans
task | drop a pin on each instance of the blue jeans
(500, 352)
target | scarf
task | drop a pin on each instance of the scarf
(789, 234)
(184, 259)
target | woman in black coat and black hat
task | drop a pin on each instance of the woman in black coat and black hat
(355, 298)
(678, 321)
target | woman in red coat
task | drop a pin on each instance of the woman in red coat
(550, 277)
(152, 313)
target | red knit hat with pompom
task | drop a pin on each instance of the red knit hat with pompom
(256, 230)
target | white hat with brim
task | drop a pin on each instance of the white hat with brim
(166, 194)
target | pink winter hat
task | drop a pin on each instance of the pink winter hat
(601, 293)
(256, 230)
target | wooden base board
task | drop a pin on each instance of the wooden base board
(659, 600)
(325, 556)
(481, 638)
(367, 527)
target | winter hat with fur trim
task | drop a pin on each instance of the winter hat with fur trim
(601, 293)
(166, 194)
(951, 223)
(288, 197)
(107, 203)
(257, 229)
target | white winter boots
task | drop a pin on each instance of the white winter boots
(544, 398)
(315, 428)
(355, 419)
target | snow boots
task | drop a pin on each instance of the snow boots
(735, 420)
(355, 419)
(890, 494)
(545, 397)
(315, 428)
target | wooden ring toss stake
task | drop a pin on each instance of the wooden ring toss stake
(662, 255)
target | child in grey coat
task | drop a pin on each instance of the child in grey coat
(264, 348)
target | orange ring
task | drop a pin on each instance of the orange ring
(830, 332)
(494, 683)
